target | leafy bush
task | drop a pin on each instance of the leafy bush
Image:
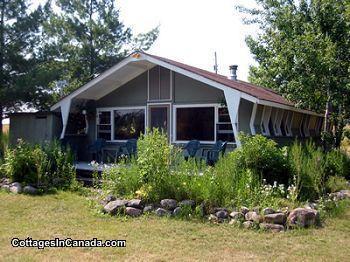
(45, 167)
(335, 183)
(4, 141)
(337, 163)
(262, 156)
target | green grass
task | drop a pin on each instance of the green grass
(150, 238)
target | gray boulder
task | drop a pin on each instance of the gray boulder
(253, 216)
(148, 208)
(6, 187)
(248, 224)
(169, 204)
(268, 211)
(16, 188)
(222, 214)
(136, 203)
(237, 215)
(162, 212)
(133, 212)
(214, 219)
(109, 198)
(187, 202)
(302, 217)
(4, 181)
(244, 210)
(115, 206)
(30, 190)
(271, 227)
(277, 218)
(177, 211)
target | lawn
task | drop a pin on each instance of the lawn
(149, 238)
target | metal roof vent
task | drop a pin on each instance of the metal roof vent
(233, 72)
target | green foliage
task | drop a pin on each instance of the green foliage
(303, 52)
(336, 183)
(337, 163)
(160, 171)
(85, 38)
(262, 156)
(312, 169)
(4, 142)
(20, 27)
(45, 167)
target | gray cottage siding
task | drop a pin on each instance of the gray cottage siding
(191, 91)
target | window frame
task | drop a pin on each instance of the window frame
(111, 111)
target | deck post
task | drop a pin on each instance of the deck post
(232, 100)
(65, 108)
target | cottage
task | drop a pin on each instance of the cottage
(145, 91)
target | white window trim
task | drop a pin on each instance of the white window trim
(216, 119)
(111, 110)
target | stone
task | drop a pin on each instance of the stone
(311, 205)
(302, 217)
(6, 187)
(277, 218)
(16, 188)
(148, 208)
(109, 198)
(136, 203)
(237, 215)
(4, 181)
(268, 211)
(214, 219)
(217, 209)
(30, 190)
(115, 206)
(271, 227)
(244, 210)
(162, 212)
(345, 193)
(235, 222)
(253, 216)
(177, 211)
(222, 214)
(248, 224)
(187, 202)
(133, 212)
(169, 204)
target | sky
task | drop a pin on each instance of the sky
(192, 30)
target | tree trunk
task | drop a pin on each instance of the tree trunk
(0, 121)
(327, 113)
(2, 46)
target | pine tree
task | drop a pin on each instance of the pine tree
(86, 37)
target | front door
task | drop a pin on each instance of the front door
(159, 116)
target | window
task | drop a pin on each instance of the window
(128, 123)
(195, 123)
(104, 126)
(224, 129)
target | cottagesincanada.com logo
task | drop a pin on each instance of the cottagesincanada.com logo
(67, 242)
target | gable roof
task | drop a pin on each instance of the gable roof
(141, 61)
(245, 87)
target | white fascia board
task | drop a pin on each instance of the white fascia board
(94, 81)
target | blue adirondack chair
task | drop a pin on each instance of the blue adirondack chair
(212, 155)
(129, 149)
(191, 149)
(96, 149)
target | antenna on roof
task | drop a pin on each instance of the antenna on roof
(216, 63)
